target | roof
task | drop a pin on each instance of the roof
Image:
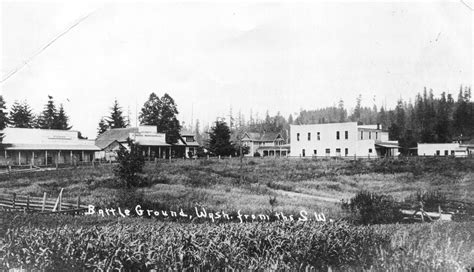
(263, 137)
(151, 142)
(276, 147)
(387, 145)
(116, 134)
(185, 132)
(68, 147)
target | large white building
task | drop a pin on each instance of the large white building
(30, 146)
(341, 140)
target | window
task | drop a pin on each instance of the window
(337, 135)
(370, 150)
(446, 152)
(319, 136)
(370, 135)
(452, 152)
(346, 152)
(438, 153)
(338, 152)
(309, 136)
(303, 152)
(297, 136)
(376, 135)
(362, 135)
(346, 134)
(315, 152)
(328, 151)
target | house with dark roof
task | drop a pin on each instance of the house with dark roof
(41, 147)
(265, 144)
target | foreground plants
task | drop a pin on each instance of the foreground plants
(148, 244)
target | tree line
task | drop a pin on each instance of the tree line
(426, 119)
(21, 115)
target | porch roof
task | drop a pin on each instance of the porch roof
(387, 145)
(68, 147)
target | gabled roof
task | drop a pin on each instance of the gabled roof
(116, 134)
(263, 137)
(185, 132)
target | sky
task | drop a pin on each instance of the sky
(212, 56)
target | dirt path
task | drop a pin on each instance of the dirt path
(299, 195)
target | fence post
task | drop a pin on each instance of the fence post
(14, 199)
(44, 202)
(78, 202)
(28, 202)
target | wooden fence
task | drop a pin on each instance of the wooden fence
(40, 204)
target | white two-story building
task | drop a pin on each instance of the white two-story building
(341, 140)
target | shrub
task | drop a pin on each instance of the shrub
(131, 163)
(370, 208)
(256, 154)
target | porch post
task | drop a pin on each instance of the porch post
(33, 158)
(71, 157)
(59, 156)
(19, 157)
(46, 157)
(159, 152)
(83, 158)
(149, 153)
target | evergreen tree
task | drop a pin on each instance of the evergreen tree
(162, 113)
(47, 118)
(3, 114)
(116, 119)
(219, 139)
(21, 115)
(61, 121)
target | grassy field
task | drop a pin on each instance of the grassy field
(316, 186)
(55, 242)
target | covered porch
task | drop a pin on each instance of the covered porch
(384, 149)
(274, 151)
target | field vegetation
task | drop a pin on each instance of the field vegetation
(352, 241)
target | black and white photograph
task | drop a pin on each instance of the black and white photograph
(236, 135)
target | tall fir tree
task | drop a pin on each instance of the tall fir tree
(21, 115)
(47, 118)
(4, 121)
(61, 120)
(116, 119)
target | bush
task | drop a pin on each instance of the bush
(370, 208)
(131, 163)
(256, 154)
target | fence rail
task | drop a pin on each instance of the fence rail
(40, 204)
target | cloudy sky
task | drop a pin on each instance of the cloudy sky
(210, 56)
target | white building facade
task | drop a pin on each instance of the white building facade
(341, 140)
(442, 149)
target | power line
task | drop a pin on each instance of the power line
(77, 22)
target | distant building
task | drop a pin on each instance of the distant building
(266, 144)
(442, 149)
(153, 143)
(29, 146)
(341, 140)
(187, 146)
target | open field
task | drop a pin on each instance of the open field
(313, 185)
(55, 242)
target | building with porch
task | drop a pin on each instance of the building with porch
(153, 144)
(266, 144)
(41, 147)
(341, 140)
